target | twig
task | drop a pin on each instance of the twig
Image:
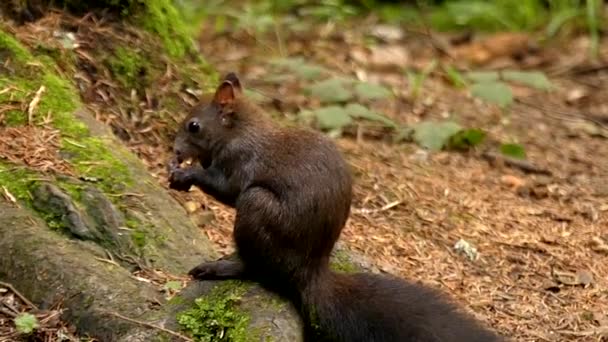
(8, 312)
(386, 207)
(22, 297)
(523, 165)
(111, 262)
(150, 325)
(32, 106)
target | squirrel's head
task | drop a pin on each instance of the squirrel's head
(209, 123)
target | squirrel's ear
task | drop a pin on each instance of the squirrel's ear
(225, 94)
(233, 78)
(228, 91)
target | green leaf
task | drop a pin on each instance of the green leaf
(467, 138)
(370, 91)
(332, 118)
(358, 111)
(493, 92)
(535, 79)
(483, 76)
(298, 66)
(26, 323)
(434, 135)
(173, 285)
(513, 150)
(308, 72)
(330, 91)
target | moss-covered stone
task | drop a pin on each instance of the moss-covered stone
(92, 159)
(216, 316)
(341, 262)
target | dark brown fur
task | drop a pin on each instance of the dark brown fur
(292, 192)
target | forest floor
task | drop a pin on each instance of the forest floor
(542, 237)
(540, 227)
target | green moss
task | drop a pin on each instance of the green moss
(216, 317)
(128, 66)
(92, 158)
(18, 181)
(162, 18)
(139, 238)
(71, 188)
(340, 262)
(10, 47)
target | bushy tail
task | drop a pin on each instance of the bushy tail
(370, 308)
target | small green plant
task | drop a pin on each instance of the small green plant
(26, 323)
(466, 139)
(516, 151)
(492, 86)
(216, 317)
(434, 135)
(416, 79)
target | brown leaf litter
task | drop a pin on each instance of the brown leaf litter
(34, 146)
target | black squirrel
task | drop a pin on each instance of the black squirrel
(292, 192)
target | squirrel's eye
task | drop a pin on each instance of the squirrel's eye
(194, 127)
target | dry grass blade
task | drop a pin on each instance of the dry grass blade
(31, 108)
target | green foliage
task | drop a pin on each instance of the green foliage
(416, 79)
(370, 91)
(216, 317)
(455, 77)
(332, 90)
(434, 135)
(513, 150)
(483, 76)
(491, 86)
(332, 118)
(299, 67)
(358, 111)
(534, 79)
(494, 92)
(467, 138)
(26, 323)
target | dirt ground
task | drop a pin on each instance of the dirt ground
(541, 273)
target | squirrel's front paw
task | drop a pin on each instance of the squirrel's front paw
(180, 179)
(219, 269)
